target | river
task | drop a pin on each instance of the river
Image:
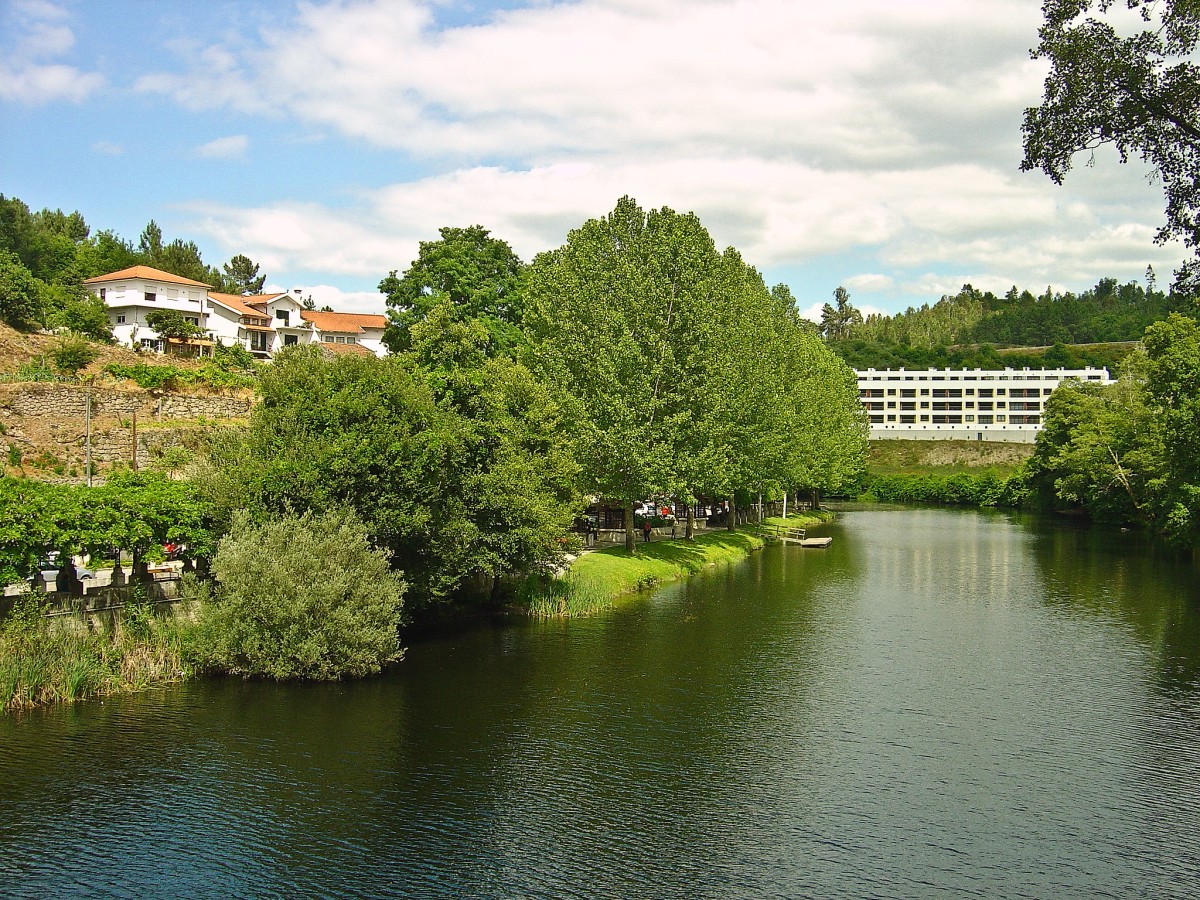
(943, 703)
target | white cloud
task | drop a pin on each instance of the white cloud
(28, 72)
(231, 147)
(108, 148)
(796, 131)
(870, 282)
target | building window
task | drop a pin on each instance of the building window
(192, 320)
(121, 319)
(282, 315)
(328, 338)
(289, 339)
(150, 296)
(103, 293)
(908, 420)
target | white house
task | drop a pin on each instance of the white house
(962, 404)
(132, 293)
(334, 330)
(262, 323)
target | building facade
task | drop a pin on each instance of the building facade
(962, 404)
(262, 323)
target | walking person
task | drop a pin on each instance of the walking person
(646, 530)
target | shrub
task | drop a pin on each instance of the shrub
(74, 352)
(301, 597)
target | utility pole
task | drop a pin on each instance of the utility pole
(135, 440)
(87, 428)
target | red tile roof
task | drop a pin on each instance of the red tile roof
(238, 304)
(343, 323)
(337, 349)
(148, 273)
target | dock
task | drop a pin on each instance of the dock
(795, 535)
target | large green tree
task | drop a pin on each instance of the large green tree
(1134, 89)
(457, 465)
(478, 274)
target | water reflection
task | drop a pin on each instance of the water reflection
(942, 703)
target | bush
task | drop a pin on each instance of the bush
(74, 352)
(301, 597)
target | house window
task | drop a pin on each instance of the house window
(192, 320)
(328, 338)
(289, 339)
(150, 296)
(103, 293)
(282, 315)
(121, 319)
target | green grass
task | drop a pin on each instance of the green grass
(597, 579)
(806, 519)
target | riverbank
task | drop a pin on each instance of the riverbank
(61, 659)
(598, 579)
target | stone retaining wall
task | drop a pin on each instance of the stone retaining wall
(50, 418)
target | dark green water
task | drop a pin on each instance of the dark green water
(942, 704)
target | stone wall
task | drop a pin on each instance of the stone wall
(48, 420)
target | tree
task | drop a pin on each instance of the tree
(620, 320)
(270, 616)
(478, 273)
(20, 301)
(1138, 92)
(170, 323)
(241, 276)
(837, 322)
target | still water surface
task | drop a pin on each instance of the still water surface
(942, 704)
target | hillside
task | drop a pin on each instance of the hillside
(946, 457)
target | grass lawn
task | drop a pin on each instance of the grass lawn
(596, 579)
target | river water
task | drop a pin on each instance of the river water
(943, 703)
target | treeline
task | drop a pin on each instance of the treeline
(46, 256)
(1129, 453)
(965, 330)
(636, 361)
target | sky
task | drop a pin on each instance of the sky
(870, 144)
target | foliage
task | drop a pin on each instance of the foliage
(170, 323)
(20, 303)
(134, 512)
(963, 330)
(1129, 453)
(839, 322)
(302, 596)
(963, 489)
(241, 276)
(457, 470)
(224, 373)
(74, 352)
(478, 274)
(685, 374)
(86, 315)
(1135, 90)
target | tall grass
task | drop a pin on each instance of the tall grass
(50, 660)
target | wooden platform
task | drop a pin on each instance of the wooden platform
(795, 535)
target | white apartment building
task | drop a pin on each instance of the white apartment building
(263, 323)
(962, 404)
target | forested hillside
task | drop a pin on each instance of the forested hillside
(971, 328)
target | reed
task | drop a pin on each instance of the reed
(50, 660)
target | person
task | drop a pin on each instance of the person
(645, 530)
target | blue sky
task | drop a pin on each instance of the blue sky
(868, 143)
